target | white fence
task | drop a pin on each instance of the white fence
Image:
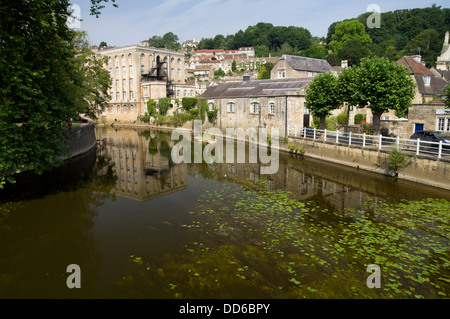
(407, 146)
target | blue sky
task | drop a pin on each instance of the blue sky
(137, 20)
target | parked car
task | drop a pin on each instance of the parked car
(433, 136)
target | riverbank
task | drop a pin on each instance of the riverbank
(420, 169)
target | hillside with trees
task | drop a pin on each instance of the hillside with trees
(402, 32)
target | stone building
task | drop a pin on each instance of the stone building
(443, 61)
(275, 103)
(140, 73)
(292, 66)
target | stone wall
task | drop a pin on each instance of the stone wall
(421, 169)
(80, 139)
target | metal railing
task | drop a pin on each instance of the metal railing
(407, 146)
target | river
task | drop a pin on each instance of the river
(140, 226)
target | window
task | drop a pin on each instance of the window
(116, 59)
(124, 109)
(131, 95)
(272, 108)
(211, 106)
(142, 68)
(309, 74)
(110, 72)
(443, 124)
(118, 96)
(117, 71)
(131, 83)
(179, 72)
(131, 70)
(178, 93)
(281, 73)
(106, 109)
(118, 108)
(124, 95)
(124, 70)
(132, 109)
(112, 108)
(426, 80)
(231, 107)
(254, 107)
(171, 72)
(145, 91)
(124, 83)
(123, 58)
(130, 58)
(109, 60)
(117, 84)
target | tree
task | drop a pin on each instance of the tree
(41, 87)
(447, 93)
(382, 85)
(103, 44)
(346, 31)
(353, 51)
(428, 44)
(163, 105)
(151, 107)
(263, 74)
(322, 96)
(233, 66)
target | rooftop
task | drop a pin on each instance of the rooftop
(272, 87)
(300, 63)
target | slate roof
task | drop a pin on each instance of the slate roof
(257, 88)
(300, 63)
(418, 70)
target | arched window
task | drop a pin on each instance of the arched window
(116, 60)
(124, 95)
(117, 84)
(118, 108)
(131, 95)
(142, 68)
(124, 109)
(131, 83)
(124, 83)
(124, 70)
(130, 58)
(117, 71)
(131, 70)
(123, 58)
(254, 107)
(109, 60)
(112, 108)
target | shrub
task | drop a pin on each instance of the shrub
(342, 119)
(189, 103)
(145, 118)
(212, 115)
(397, 160)
(151, 107)
(163, 104)
(359, 118)
(193, 112)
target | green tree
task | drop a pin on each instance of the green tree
(382, 85)
(233, 66)
(322, 96)
(163, 105)
(447, 93)
(151, 107)
(346, 31)
(353, 51)
(428, 44)
(41, 85)
(189, 103)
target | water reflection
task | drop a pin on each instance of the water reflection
(142, 163)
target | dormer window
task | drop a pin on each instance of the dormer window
(426, 80)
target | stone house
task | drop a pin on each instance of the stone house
(292, 66)
(275, 103)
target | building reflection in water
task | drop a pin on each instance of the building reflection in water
(141, 162)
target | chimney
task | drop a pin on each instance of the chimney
(246, 77)
(344, 64)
